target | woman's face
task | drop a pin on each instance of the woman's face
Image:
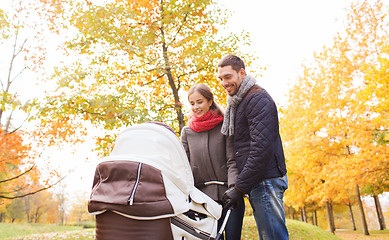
(199, 104)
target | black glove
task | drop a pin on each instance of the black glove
(231, 197)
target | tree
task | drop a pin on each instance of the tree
(61, 200)
(23, 55)
(77, 213)
(363, 218)
(40, 207)
(15, 210)
(335, 123)
(136, 59)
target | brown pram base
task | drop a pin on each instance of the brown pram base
(110, 225)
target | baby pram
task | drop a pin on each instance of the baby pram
(145, 190)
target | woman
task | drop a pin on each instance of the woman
(210, 153)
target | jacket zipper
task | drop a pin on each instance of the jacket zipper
(131, 199)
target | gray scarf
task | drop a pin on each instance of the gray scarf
(232, 102)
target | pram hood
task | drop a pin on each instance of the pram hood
(157, 146)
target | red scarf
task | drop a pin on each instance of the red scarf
(205, 122)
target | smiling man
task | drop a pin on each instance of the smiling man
(252, 119)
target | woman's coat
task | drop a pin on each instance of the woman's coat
(211, 158)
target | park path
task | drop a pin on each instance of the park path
(360, 236)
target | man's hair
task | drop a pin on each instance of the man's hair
(231, 60)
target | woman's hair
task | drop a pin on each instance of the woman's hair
(206, 92)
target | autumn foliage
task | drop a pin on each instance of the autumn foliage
(127, 62)
(335, 126)
(20, 174)
(13, 155)
(133, 61)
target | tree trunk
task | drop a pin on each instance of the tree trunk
(330, 214)
(315, 217)
(168, 72)
(27, 209)
(380, 215)
(352, 216)
(364, 223)
(301, 215)
(304, 215)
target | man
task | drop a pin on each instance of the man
(252, 117)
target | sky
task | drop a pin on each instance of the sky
(284, 33)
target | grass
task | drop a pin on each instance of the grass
(14, 230)
(358, 235)
(297, 231)
(301, 231)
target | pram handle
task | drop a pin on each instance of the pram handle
(223, 226)
(211, 183)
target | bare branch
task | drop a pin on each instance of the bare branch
(34, 192)
(17, 75)
(189, 73)
(12, 61)
(179, 29)
(8, 123)
(149, 82)
(20, 126)
(18, 176)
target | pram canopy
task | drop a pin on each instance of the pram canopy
(147, 176)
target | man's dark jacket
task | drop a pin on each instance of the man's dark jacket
(257, 143)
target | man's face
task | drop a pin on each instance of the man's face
(230, 79)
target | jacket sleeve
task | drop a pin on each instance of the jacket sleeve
(261, 123)
(184, 142)
(232, 170)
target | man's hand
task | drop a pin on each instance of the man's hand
(231, 197)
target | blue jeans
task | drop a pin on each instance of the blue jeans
(268, 210)
(234, 224)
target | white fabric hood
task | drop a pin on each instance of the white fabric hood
(157, 146)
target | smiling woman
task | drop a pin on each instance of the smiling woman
(201, 100)
(203, 107)
(199, 104)
(210, 153)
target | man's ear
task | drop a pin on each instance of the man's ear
(242, 73)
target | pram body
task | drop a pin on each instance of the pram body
(145, 190)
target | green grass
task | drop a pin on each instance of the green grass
(301, 231)
(13, 230)
(297, 230)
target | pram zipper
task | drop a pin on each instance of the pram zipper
(131, 199)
